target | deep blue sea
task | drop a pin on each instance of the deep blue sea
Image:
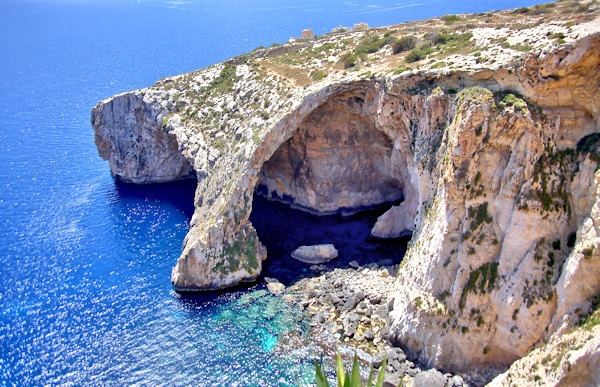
(85, 297)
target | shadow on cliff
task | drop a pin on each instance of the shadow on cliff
(282, 229)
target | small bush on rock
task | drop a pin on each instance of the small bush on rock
(405, 43)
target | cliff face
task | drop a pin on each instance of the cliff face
(139, 150)
(497, 164)
(508, 218)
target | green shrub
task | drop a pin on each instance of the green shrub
(418, 302)
(350, 378)
(479, 215)
(441, 38)
(476, 94)
(405, 43)
(583, 8)
(372, 44)
(550, 259)
(317, 75)
(512, 100)
(420, 52)
(224, 82)
(450, 19)
(349, 60)
(427, 47)
(415, 55)
(481, 280)
(368, 45)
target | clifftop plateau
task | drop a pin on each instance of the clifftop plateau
(487, 126)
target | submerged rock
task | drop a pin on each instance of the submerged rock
(315, 254)
(275, 287)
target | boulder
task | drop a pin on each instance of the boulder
(271, 280)
(315, 254)
(398, 221)
(276, 288)
(391, 380)
(430, 378)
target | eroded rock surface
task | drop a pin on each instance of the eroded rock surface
(129, 135)
(497, 163)
(336, 159)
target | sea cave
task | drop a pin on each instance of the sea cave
(328, 183)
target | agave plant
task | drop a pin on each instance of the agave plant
(350, 378)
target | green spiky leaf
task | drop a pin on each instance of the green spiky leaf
(355, 378)
(370, 380)
(341, 375)
(321, 378)
(381, 375)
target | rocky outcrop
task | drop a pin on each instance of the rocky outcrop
(572, 359)
(496, 163)
(128, 133)
(498, 233)
(275, 287)
(393, 223)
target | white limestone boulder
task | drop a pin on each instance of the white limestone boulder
(315, 254)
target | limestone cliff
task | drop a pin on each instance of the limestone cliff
(488, 127)
(571, 359)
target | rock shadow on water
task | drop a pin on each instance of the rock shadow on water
(179, 194)
(282, 229)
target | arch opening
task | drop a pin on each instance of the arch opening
(329, 183)
(336, 161)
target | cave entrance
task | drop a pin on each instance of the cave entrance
(328, 184)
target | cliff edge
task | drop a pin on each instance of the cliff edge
(487, 126)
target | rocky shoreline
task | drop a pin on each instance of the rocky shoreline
(348, 310)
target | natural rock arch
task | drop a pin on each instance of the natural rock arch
(336, 160)
(340, 158)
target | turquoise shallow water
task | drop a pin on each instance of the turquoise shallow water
(85, 297)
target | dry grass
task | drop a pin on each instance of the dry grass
(497, 37)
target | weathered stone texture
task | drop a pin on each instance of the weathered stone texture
(128, 133)
(336, 159)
